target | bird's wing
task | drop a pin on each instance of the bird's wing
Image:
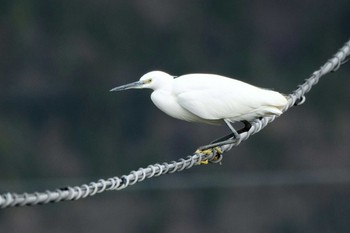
(214, 105)
(215, 97)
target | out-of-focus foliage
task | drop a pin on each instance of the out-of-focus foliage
(58, 59)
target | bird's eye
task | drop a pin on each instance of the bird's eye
(148, 81)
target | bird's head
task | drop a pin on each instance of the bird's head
(153, 80)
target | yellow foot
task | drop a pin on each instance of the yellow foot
(209, 151)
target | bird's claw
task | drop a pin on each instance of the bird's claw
(214, 150)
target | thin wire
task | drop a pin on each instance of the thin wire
(297, 97)
(221, 180)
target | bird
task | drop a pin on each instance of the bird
(210, 99)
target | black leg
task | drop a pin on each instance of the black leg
(224, 138)
(246, 127)
(230, 138)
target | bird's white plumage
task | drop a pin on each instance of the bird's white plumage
(209, 98)
(215, 97)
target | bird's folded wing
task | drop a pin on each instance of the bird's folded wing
(218, 104)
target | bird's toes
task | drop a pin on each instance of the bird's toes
(215, 153)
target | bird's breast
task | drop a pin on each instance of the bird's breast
(167, 102)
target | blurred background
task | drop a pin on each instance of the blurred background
(60, 125)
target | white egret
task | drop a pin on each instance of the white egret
(211, 99)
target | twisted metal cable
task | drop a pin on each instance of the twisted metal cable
(214, 155)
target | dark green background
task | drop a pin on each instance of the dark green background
(60, 126)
